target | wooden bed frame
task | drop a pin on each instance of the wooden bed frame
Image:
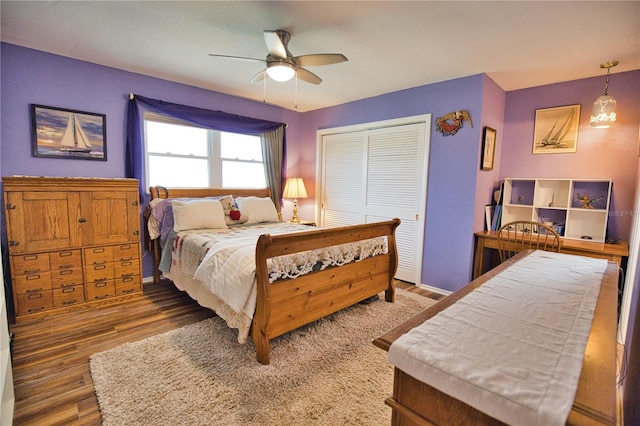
(288, 304)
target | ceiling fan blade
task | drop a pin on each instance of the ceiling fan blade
(242, 58)
(258, 77)
(275, 46)
(319, 59)
(308, 76)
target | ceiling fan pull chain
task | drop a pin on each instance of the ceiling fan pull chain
(296, 94)
(264, 87)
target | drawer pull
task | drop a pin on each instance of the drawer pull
(126, 279)
(66, 272)
(66, 253)
(70, 302)
(126, 263)
(101, 297)
(30, 257)
(33, 277)
(100, 263)
(65, 266)
(34, 295)
(36, 309)
(68, 289)
(101, 284)
(131, 290)
(125, 247)
(98, 250)
(126, 259)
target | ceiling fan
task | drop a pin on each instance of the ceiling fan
(281, 65)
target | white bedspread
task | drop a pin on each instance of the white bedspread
(224, 262)
(513, 348)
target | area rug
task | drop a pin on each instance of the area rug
(326, 373)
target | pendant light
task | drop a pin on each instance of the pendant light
(604, 108)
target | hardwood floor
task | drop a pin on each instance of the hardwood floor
(52, 381)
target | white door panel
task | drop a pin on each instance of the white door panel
(377, 174)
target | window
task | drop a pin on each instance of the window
(179, 154)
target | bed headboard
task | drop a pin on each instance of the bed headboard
(162, 192)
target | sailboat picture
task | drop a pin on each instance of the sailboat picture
(556, 130)
(65, 133)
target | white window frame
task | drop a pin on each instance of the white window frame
(214, 148)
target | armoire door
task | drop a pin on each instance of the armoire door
(379, 174)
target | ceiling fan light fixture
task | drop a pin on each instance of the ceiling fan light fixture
(604, 108)
(281, 71)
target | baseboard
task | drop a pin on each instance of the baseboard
(434, 289)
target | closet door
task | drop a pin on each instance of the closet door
(375, 175)
(344, 179)
(394, 177)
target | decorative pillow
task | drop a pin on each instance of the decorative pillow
(197, 214)
(232, 215)
(257, 209)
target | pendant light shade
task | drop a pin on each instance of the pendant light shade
(604, 108)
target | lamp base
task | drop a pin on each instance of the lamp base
(295, 218)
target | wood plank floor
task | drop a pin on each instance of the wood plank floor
(52, 381)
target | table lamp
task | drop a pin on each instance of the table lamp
(294, 188)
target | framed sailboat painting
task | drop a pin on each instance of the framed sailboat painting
(66, 133)
(556, 130)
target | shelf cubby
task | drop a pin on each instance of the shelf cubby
(577, 208)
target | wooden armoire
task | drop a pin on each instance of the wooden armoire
(72, 242)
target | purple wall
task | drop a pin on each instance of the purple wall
(453, 166)
(31, 76)
(457, 189)
(601, 153)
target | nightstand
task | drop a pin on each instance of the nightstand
(305, 222)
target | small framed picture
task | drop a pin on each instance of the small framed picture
(488, 148)
(66, 133)
(556, 130)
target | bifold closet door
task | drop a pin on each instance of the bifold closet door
(375, 175)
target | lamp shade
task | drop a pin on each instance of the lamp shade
(294, 188)
(281, 71)
(604, 112)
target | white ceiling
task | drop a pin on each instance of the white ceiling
(391, 45)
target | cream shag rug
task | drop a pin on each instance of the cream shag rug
(326, 373)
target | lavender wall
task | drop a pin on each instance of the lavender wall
(31, 76)
(601, 153)
(457, 189)
(453, 167)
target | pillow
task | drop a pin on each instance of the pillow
(232, 215)
(197, 214)
(257, 209)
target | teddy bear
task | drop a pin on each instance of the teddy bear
(232, 215)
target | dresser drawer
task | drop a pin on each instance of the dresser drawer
(30, 263)
(100, 290)
(128, 284)
(98, 272)
(65, 259)
(34, 301)
(98, 255)
(125, 252)
(33, 282)
(71, 276)
(68, 295)
(127, 267)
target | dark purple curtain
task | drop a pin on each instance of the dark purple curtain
(216, 120)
